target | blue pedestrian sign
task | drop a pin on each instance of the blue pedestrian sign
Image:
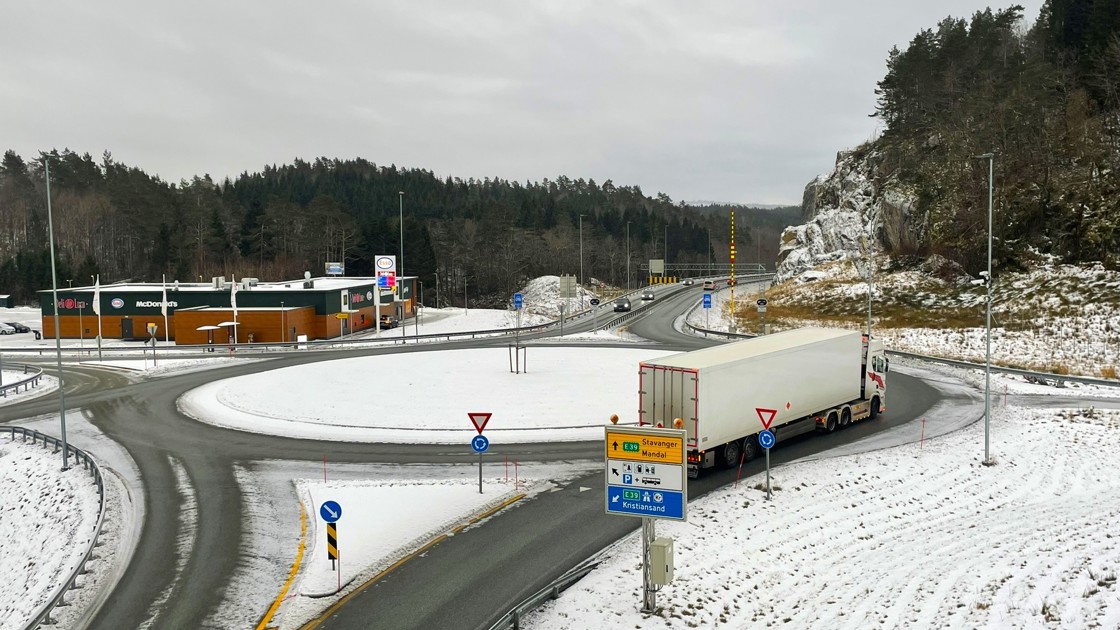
(707, 300)
(480, 444)
(331, 511)
(517, 300)
(766, 439)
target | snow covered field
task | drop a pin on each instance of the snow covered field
(915, 536)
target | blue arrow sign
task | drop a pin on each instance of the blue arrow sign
(480, 443)
(331, 511)
(645, 502)
(707, 300)
(766, 439)
(517, 300)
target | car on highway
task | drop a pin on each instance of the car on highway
(621, 305)
(6, 329)
(709, 285)
(20, 328)
(689, 282)
(389, 321)
(647, 295)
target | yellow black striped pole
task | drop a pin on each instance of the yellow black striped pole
(332, 542)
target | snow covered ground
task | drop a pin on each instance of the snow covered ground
(916, 536)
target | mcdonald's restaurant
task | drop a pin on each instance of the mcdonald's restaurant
(223, 311)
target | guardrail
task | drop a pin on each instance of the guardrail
(26, 384)
(512, 619)
(44, 613)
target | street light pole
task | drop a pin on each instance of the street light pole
(988, 325)
(400, 265)
(628, 255)
(709, 252)
(57, 333)
(581, 248)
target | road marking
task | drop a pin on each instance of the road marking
(292, 575)
(314, 623)
(583, 489)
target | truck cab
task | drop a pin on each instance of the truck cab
(875, 368)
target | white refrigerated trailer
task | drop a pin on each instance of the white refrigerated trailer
(798, 380)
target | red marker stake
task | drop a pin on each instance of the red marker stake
(922, 440)
(324, 469)
(507, 468)
(515, 478)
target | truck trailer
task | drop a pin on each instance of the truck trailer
(796, 381)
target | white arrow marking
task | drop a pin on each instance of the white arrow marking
(582, 489)
(330, 511)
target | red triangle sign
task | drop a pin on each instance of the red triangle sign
(479, 420)
(766, 416)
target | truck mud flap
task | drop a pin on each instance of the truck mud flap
(693, 471)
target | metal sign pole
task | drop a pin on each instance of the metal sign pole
(480, 473)
(649, 595)
(768, 495)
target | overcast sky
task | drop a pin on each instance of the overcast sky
(740, 101)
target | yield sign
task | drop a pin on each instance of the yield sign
(479, 420)
(766, 416)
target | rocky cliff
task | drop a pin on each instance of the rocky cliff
(859, 202)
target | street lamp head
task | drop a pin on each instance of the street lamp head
(984, 156)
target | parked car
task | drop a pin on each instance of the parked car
(709, 285)
(647, 295)
(689, 282)
(621, 305)
(6, 329)
(20, 328)
(389, 321)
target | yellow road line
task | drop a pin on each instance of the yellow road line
(292, 575)
(314, 623)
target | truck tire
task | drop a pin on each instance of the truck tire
(731, 454)
(846, 417)
(830, 424)
(751, 448)
(875, 410)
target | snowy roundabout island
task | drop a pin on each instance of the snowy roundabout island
(424, 397)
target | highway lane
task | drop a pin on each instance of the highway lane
(444, 586)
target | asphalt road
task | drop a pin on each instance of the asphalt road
(466, 581)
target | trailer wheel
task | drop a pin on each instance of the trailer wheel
(830, 424)
(731, 454)
(846, 417)
(875, 410)
(750, 447)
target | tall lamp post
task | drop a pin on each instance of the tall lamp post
(628, 255)
(581, 248)
(57, 333)
(400, 265)
(990, 157)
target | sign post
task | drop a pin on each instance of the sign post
(479, 443)
(707, 309)
(766, 439)
(646, 476)
(331, 511)
(594, 313)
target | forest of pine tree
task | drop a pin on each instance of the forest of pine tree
(1044, 99)
(493, 235)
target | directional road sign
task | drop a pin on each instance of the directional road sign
(480, 444)
(766, 439)
(646, 472)
(331, 511)
(707, 300)
(517, 301)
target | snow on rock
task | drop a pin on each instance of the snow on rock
(860, 197)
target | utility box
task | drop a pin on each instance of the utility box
(661, 561)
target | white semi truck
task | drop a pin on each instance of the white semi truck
(797, 381)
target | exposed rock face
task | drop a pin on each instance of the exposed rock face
(858, 199)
